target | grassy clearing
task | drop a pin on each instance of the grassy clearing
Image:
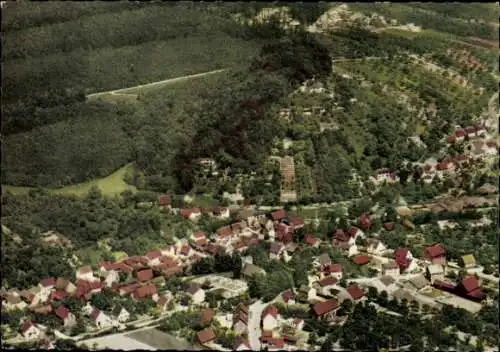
(111, 185)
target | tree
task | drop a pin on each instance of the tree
(237, 265)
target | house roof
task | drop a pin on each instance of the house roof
(279, 215)
(287, 295)
(470, 283)
(206, 335)
(327, 306)
(129, 288)
(443, 285)
(84, 270)
(435, 251)
(276, 343)
(153, 254)
(26, 326)
(335, 268)
(341, 235)
(365, 222)
(435, 269)
(224, 231)
(270, 310)
(48, 282)
(352, 231)
(199, 235)
(387, 280)
(275, 248)
(144, 275)
(186, 213)
(193, 288)
(296, 221)
(58, 295)
(145, 291)
(419, 281)
(328, 281)
(240, 341)
(468, 259)
(61, 284)
(310, 240)
(324, 259)
(164, 200)
(62, 312)
(355, 292)
(207, 315)
(361, 259)
(185, 249)
(389, 226)
(95, 314)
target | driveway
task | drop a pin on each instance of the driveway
(254, 314)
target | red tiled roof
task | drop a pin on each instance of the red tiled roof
(491, 144)
(186, 213)
(58, 295)
(239, 341)
(296, 221)
(224, 231)
(341, 235)
(164, 200)
(144, 275)
(460, 133)
(279, 215)
(207, 315)
(62, 312)
(328, 281)
(185, 249)
(443, 166)
(48, 282)
(334, 268)
(356, 292)
(275, 248)
(129, 288)
(199, 234)
(206, 335)
(352, 231)
(26, 325)
(287, 295)
(310, 240)
(389, 226)
(361, 259)
(277, 343)
(470, 283)
(427, 167)
(327, 306)
(237, 226)
(270, 310)
(400, 256)
(435, 251)
(153, 254)
(145, 291)
(284, 233)
(365, 222)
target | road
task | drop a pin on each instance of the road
(254, 332)
(123, 91)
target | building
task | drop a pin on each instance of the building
(279, 215)
(436, 254)
(355, 292)
(312, 241)
(469, 288)
(390, 269)
(324, 286)
(288, 297)
(66, 316)
(101, 320)
(85, 273)
(276, 250)
(144, 275)
(30, 331)
(404, 259)
(326, 309)
(205, 336)
(196, 293)
(241, 344)
(121, 314)
(240, 319)
(361, 259)
(375, 247)
(435, 272)
(468, 261)
(270, 317)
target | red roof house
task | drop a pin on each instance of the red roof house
(224, 232)
(355, 292)
(270, 310)
(50, 282)
(145, 291)
(164, 200)
(287, 296)
(206, 335)
(361, 259)
(62, 312)
(311, 240)
(296, 221)
(436, 254)
(283, 233)
(365, 222)
(144, 275)
(323, 308)
(469, 288)
(279, 215)
(401, 258)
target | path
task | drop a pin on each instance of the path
(123, 91)
(255, 312)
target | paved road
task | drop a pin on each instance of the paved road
(254, 332)
(123, 91)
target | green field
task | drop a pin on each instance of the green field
(111, 185)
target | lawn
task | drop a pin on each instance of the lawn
(111, 185)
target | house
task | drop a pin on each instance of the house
(65, 285)
(323, 261)
(196, 293)
(121, 314)
(154, 257)
(391, 269)
(306, 293)
(12, 302)
(386, 283)
(283, 233)
(355, 292)
(365, 222)
(274, 344)
(101, 320)
(162, 303)
(276, 250)
(186, 250)
(435, 272)
(340, 236)
(66, 316)
(30, 330)
(470, 289)
(278, 215)
(144, 275)
(169, 251)
(224, 233)
(270, 317)
(389, 226)
(375, 247)
(192, 214)
(311, 241)
(48, 284)
(335, 271)
(205, 336)
(361, 259)
(468, 261)
(419, 282)
(436, 254)
(326, 309)
(241, 344)
(37, 295)
(240, 319)
(110, 277)
(200, 238)
(85, 273)
(298, 324)
(58, 295)
(491, 148)
(145, 291)
(221, 213)
(250, 270)
(207, 315)
(354, 233)
(404, 259)
(352, 250)
(297, 222)
(288, 297)
(128, 289)
(165, 201)
(324, 286)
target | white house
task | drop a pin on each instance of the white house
(121, 314)
(85, 273)
(375, 247)
(169, 251)
(196, 293)
(270, 317)
(110, 277)
(30, 331)
(391, 269)
(13, 302)
(276, 250)
(435, 272)
(101, 320)
(353, 250)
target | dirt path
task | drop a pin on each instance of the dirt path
(126, 91)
